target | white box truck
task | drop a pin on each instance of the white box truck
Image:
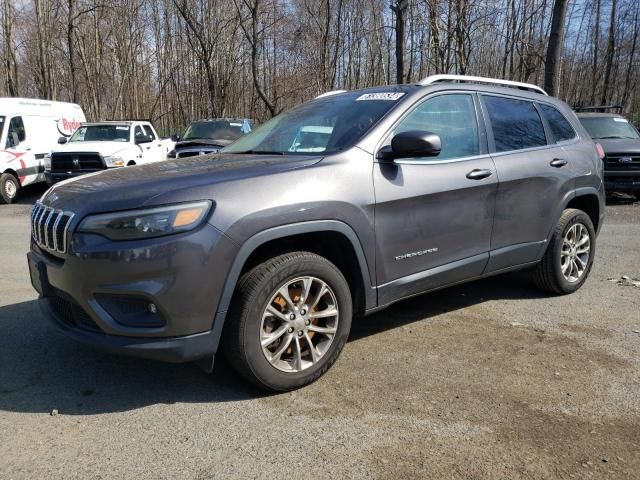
(29, 130)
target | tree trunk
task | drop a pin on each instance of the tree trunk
(400, 9)
(554, 48)
(611, 44)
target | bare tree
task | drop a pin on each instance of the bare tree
(554, 48)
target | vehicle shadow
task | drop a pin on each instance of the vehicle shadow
(615, 198)
(31, 193)
(42, 370)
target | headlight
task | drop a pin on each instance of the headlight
(114, 161)
(147, 223)
(47, 161)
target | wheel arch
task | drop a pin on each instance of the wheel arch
(588, 199)
(331, 238)
(588, 202)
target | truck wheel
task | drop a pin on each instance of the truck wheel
(567, 262)
(288, 322)
(9, 188)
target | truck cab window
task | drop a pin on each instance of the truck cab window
(148, 131)
(16, 133)
(138, 133)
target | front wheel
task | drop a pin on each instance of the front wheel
(9, 187)
(289, 321)
(567, 262)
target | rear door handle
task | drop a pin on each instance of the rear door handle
(478, 174)
(558, 162)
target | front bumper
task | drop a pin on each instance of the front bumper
(55, 177)
(622, 181)
(85, 291)
(171, 349)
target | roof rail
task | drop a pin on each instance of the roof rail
(332, 92)
(492, 81)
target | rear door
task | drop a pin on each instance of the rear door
(434, 215)
(534, 175)
(156, 153)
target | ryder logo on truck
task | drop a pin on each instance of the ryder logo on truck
(67, 126)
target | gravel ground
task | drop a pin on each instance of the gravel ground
(491, 379)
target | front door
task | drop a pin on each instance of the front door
(433, 216)
(17, 154)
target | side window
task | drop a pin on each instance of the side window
(515, 123)
(560, 127)
(15, 133)
(138, 133)
(148, 131)
(453, 118)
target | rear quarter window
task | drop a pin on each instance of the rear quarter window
(560, 126)
(515, 123)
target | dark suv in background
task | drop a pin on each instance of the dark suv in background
(621, 143)
(209, 136)
(338, 207)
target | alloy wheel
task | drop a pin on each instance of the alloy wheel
(574, 256)
(299, 324)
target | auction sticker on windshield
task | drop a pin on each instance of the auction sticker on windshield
(381, 96)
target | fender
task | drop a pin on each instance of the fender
(280, 232)
(569, 196)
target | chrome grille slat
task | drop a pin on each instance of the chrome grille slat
(46, 227)
(50, 227)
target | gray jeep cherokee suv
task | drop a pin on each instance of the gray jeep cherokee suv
(338, 207)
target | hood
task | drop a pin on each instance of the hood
(619, 145)
(104, 148)
(133, 187)
(203, 142)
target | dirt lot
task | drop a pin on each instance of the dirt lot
(491, 379)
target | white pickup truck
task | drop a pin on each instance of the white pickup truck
(98, 146)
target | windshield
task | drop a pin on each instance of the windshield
(326, 125)
(101, 133)
(224, 131)
(609, 127)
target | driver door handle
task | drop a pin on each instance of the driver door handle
(479, 174)
(558, 162)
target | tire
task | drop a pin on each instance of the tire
(549, 275)
(9, 188)
(248, 321)
(131, 163)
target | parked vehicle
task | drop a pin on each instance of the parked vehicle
(621, 143)
(102, 145)
(29, 129)
(267, 251)
(209, 136)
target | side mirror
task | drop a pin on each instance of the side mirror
(411, 144)
(62, 140)
(175, 137)
(144, 139)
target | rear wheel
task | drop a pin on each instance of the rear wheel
(567, 262)
(289, 321)
(9, 187)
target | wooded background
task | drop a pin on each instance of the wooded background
(174, 61)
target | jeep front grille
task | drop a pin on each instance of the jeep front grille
(49, 227)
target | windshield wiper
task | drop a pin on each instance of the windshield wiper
(259, 152)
